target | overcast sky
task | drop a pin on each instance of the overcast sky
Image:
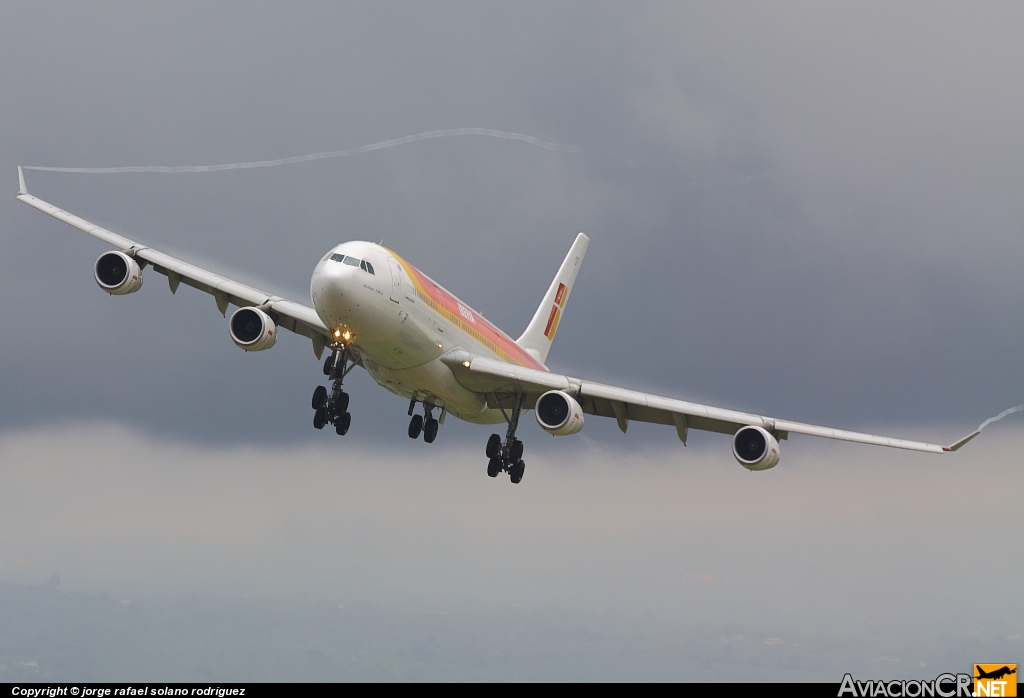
(810, 211)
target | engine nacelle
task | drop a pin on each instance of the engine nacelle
(755, 448)
(252, 329)
(117, 273)
(558, 413)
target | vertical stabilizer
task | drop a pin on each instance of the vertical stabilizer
(536, 340)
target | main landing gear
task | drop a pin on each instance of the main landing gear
(425, 424)
(333, 408)
(507, 456)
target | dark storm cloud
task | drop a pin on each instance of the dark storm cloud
(810, 212)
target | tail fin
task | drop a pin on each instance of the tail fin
(536, 340)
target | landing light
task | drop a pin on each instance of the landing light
(347, 335)
(466, 364)
(337, 333)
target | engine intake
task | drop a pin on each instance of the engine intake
(558, 413)
(755, 448)
(252, 329)
(117, 273)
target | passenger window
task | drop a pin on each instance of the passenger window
(369, 268)
(352, 261)
(337, 257)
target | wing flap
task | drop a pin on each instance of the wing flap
(655, 409)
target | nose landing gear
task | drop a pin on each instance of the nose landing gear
(507, 456)
(426, 424)
(333, 408)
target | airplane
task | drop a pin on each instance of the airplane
(372, 308)
(996, 674)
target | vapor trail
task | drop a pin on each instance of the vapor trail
(999, 416)
(490, 133)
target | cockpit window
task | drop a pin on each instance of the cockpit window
(352, 262)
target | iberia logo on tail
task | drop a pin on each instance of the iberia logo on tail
(549, 330)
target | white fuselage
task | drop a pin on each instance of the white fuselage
(401, 322)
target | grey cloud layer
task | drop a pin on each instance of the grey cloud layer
(831, 540)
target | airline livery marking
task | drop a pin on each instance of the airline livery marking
(556, 310)
(473, 324)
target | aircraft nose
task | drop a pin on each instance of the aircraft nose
(339, 277)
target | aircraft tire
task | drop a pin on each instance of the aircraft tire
(328, 363)
(430, 430)
(342, 424)
(341, 406)
(320, 418)
(415, 426)
(493, 446)
(515, 473)
(516, 452)
(493, 467)
(319, 397)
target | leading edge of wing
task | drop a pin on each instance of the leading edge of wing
(298, 318)
(485, 375)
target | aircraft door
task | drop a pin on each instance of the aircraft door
(396, 280)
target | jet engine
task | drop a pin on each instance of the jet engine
(755, 448)
(252, 329)
(558, 413)
(117, 273)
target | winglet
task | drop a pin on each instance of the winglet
(961, 442)
(21, 182)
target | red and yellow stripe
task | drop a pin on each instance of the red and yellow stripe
(456, 312)
(556, 312)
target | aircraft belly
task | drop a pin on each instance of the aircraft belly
(487, 416)
(431, 381)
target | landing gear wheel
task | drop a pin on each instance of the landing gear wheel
(319, 397)
(320, 418)
(493, 446)
(341, 424)
(515, 453)
(328, 363)
(430, 430)
(515, 473)
(415, 426)
(493, 467)
(341, 403)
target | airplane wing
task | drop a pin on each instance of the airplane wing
(502, 381)
(293, 316)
